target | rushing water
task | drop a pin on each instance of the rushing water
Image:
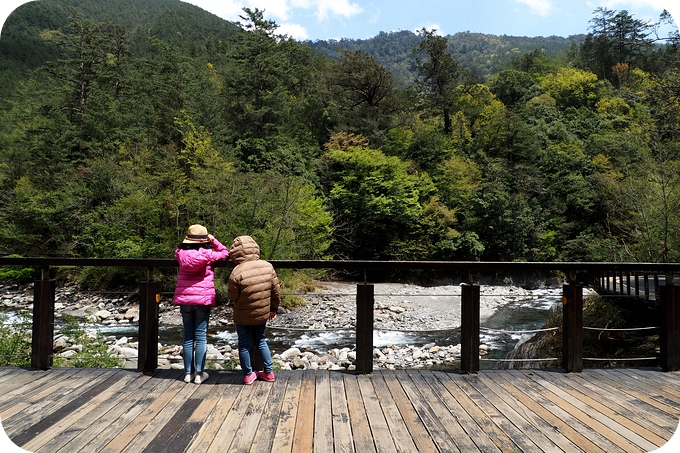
(502, 337)
(506, 325)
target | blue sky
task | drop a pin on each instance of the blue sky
(360, 19)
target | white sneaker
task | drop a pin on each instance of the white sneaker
(188, 378)
(201, 377)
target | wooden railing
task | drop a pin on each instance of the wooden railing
(577, 275)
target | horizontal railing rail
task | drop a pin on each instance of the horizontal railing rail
(472, 266)
(576, 273)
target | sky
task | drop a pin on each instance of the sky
(361, 19)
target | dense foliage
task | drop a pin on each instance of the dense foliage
(116, 135)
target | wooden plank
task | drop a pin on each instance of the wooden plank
(438, 411)
(32, 421)
(644, 414)
(429, 418)
(69, 425)
(26, 383)
(670, 379)
(608, 406)
(616, 433)
(520, 379)
(528, 436)
(565, 436)
(386, 411)
(323, 420)
(137, 420)
(641, 403)
(382, 437)
(661, 405)
(156, 422)
(651, 394)
(399, 433)
(185, 423)
(250, 420)
(270, 418)
(283, 438)
(97, 429)
(466, 400)
(177, 432)
(537, 429)
(342, 428)
(35, 401)
(303, 441)
(228, 390)
(442, 389)
(232, 422)
(500, 428)
(361, 431)
(416, 427)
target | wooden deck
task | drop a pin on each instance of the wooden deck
(90, 410)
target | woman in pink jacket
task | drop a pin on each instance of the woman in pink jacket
(195, 294)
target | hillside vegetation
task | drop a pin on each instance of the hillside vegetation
(123, 122)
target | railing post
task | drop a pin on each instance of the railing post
(469, 336)
(147, 361)
(646, 282)
(670, 328)
(42, 341)
(572, 328)
(364, 327)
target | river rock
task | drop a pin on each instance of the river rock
(132, 314)
(290, 354)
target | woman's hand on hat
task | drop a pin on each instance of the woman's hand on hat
(211, 237)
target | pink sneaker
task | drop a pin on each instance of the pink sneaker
(249, 378)
(269, 377)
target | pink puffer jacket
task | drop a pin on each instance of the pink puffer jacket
(195, 280)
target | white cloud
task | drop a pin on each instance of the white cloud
(277, 9)
(430, 27)
(295, 31)
(540, 7)
(326, 8)
(226, 9)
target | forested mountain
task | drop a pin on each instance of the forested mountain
(481, 54)
(172, 21)
(123, 122)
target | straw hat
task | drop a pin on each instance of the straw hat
(196, 234)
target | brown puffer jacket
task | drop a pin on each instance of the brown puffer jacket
(253, 283)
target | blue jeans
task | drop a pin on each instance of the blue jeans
(249, 336)
(195, 319)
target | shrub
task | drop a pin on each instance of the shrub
(15, 343)
(21, 274)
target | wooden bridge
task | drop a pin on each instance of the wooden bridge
(584, 410)
(92, 410)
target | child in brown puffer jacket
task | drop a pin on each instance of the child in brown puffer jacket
(255, 291)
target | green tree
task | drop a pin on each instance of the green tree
(375, 199)
(438, 72)
(364, 92)
(572, 87)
